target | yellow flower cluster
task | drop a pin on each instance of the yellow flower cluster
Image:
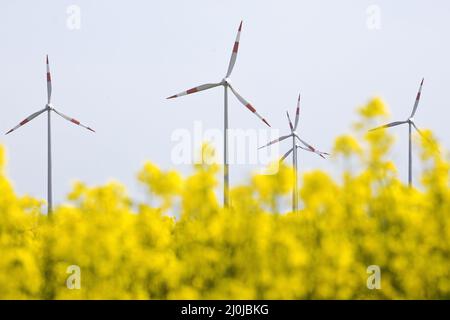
(182, 244)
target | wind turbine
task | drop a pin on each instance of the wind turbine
(295, 146)
(225, 82)
(410, 122)
(49, 108)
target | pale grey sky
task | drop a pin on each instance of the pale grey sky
(115, 72)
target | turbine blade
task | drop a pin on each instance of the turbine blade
(75, 121)
(276, 140)
(320, 153)
(286, 155)
(416, 103)
(26, 120)
(247, 105)
(196, 89)
(297, 113)
(49, 83)
(290, 122)
(392, 124)
(234, 52)
(421, 133)
(435, 146)
(310, 147)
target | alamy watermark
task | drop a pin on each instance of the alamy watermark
(73, 21)
(73, 281)
(374, 280)
(373, 19)
(243, 146)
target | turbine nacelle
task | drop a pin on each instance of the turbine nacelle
(226, 81)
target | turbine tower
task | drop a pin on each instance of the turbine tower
(49, 108)
(226, 83)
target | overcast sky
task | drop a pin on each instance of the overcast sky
(114, 72)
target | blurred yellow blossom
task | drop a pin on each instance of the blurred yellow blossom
(186, 246)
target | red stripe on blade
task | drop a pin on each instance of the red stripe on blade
(23, 122)
(49, 78)
(250, 107)
(192, 90)
(266, 122)
(236, 47)
(75, 121)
